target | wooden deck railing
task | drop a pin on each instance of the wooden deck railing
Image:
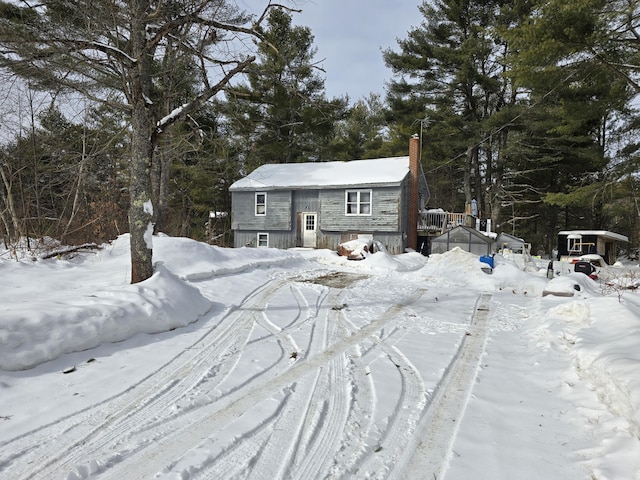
(434, 221)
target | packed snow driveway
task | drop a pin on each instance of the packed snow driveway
(309, 376)
(302, 365)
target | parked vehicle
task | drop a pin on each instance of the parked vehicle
(590, 265)
(595, 260)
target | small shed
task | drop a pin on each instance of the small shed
(466, 238)
(512, 243)
(573, 243)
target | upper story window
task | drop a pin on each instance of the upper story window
(261, 203)
(358, 202)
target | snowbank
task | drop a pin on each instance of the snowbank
(458, 268)
(41, 330)
(65, 313)
(191, 260)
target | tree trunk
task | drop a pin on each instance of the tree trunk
(468, 166)
(481, 178)
(15, 232)
(160, 180)
(165, 147)
(496, 187)
(77, 194)
(141, 207)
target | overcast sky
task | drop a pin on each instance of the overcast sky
(350, 36)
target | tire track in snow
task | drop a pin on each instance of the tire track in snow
(67, 442)
(375, 461)
(145, 436)
(289, 428)
(135, 444)
(359, 422)
(307, 439)
(325, 426)
(406, 415)
(159, 427)
(260, 312)
(175, 442)
(429, 453)
(304, 436)
(226, 464)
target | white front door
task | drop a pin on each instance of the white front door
(309, 229)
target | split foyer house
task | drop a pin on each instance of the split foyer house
(323, 204)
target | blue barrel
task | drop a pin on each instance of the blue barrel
(488, 259)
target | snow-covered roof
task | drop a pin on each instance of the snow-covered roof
(599, 233)
(510, 237)
(375, 172)
(466, 234)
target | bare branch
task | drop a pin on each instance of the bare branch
(275, 5)
(188, 108)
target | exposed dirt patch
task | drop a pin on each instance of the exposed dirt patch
(337, 279)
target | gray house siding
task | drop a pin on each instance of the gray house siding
(278, 213)
(395, 243)
(282, 217)
(384, 224)
(385, 211)
(276, 222)
(284, 209)
(306, 201)
(404, 212)
(249, 238)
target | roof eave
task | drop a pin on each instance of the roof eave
(601, 233)
(268, 188)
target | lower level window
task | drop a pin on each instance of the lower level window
(263, 239)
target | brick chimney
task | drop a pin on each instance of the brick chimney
(414, 196)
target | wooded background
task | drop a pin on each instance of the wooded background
(529, 107)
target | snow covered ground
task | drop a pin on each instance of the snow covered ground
(270, 364)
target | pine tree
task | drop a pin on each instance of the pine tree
(449, 78)
(283, 110)
(575, 99)
(516, 103)
(361, 134)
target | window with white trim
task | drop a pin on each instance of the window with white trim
(261, 203)
(358, 202)
(263, 240)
